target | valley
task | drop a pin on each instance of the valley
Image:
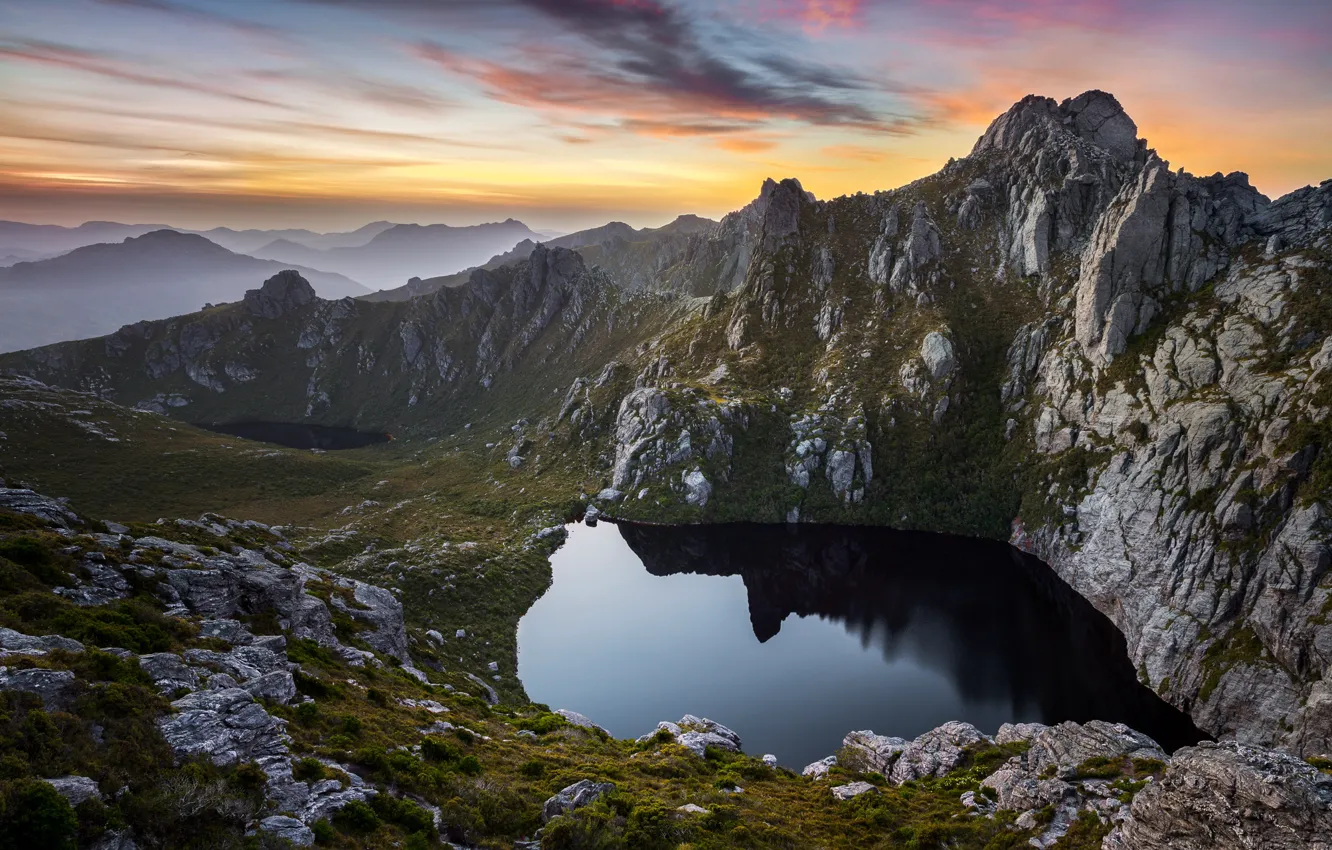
(1056, 344)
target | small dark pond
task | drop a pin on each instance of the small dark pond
(795, 635)
(299, 436)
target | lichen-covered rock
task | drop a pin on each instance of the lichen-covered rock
(936, 752)
(1230, 795)
(853, 789)
(573, 797)
(48, 510)
(871, 752)
(56, 688)
(696, 734)
(75, 789)
(224, 726)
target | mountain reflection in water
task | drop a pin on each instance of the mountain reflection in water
(892, 631)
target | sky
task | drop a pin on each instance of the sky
(565, 114)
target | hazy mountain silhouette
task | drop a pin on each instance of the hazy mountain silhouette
(96, 289)
(404, 251)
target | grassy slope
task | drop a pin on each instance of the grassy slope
(489, 782)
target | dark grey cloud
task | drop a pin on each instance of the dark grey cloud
(661, 52)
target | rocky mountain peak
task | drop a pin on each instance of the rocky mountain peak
(280, 294)
(1098, 117)
(1094, 116)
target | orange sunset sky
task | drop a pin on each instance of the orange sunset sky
(568, 113)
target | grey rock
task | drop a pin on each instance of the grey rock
(1230, 795)
(819, 769)
(56, 688)
(278, 686)
(225, 726)
(50, 511)
(1067, 745)
(853, 789)
(936, 752)
(871, 752)
(282, 293)
(573, 797)
(169, 672)
(75, 789)
(576, 719)
(288, 829)
(937, 352)
(12, 642)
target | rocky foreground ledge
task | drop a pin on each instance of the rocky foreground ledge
(231, 696)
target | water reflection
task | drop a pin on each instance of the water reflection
(796, 635)
(296, 435)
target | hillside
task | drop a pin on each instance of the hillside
(96, 289)
(402, 251)
(652, 259)
(1057, 340)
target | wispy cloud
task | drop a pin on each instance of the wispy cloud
(103, 64)
(196, 15)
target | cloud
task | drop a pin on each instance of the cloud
(635, 60)
(856, 152)
(106, 65)
(192, 13)
(744, 145)
(815, 16)
(343, 84)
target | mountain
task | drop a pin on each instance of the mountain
(1057, 340)
(251, 241)
(95, 289)
(46, 240)
(42, 241)
(403, 251)
(651, 258)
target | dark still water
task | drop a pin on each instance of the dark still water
(299, 436)
(795, 635)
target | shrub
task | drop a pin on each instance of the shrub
(356, 816)
(532, 769)
(351, 726)
(308, 770)
(33, 814)
(436, 749)
(307, 713)
(464, 735)
(404, 813)
(377, 697)
(469, 766)
(323, 831)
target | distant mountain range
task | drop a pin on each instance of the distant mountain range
(95, 289)
(404, 251)
(617, 247)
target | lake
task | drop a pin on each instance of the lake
(295, 435)
(795, 635)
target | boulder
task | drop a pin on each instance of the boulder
(576, 719)
(1230, 795)
(937, 352)
(56, 688)
(936, 752)
(1067, 745)
(224, 725)
(854, 789)
(50, 511)
(819, 769)
(75, 789)
(573, 797)
(288, 829)
(867, 751)
(17, 643)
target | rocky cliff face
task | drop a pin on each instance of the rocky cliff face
(1057, 340)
